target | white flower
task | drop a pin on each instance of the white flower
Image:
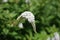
(52, 38)
(27, 1)
(20, 25)
(30, 17)
(5, 0)
(56, 36)
(48, 38)
(27, 15)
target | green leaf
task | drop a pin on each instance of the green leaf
(5, 31)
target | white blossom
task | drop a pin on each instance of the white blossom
(56, 36)
(27, 15)
(30, 17)
(5, 0)
(27, 1)
(52, 38)
(48, 38)
(20, 25)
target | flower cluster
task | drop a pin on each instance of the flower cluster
(30, 17)
(27, 15)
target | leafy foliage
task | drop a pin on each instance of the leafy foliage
(47, 16)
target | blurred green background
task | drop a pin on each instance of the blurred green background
(47, 17)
